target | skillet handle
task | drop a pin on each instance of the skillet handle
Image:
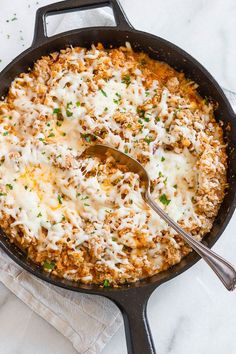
(133, 306)
(40, 32)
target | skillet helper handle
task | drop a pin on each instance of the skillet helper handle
(222, 268)
(40, 32)
(133, 306)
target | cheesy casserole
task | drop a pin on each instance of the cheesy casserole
(84, 219)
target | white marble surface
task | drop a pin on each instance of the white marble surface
(191, 313)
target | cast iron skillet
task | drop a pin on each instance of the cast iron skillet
(131, 299)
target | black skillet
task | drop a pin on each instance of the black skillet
(131, 299)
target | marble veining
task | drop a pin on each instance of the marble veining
(192, 313)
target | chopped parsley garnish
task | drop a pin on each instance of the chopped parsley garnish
(147, 93)
(10, 186)
(84, 198)
(206, 101)
(118, 100)
(126, 80)
(85, 204)
(160, 174)
(158, 119)
(143, 62)
(105, 109)
(126, 150)
(3, 194)
(39, 215)
(57, 110)
(103, 92)
(106, 283)
(26, 187)
(49, 265)
(59, 198)
(51, 135)
(69, 113)
(41, 139)
(146, 119)
(78, 104)
(86, 137)
(162, 159)
(141, 112)
(78, 194)
(148, 140)
(164, 200)
(129, 125)
(59, 124)
(175, 186)
(63, 134)
(5, 133)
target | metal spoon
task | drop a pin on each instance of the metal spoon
(223, 269)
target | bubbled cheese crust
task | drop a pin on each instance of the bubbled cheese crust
(84, 219)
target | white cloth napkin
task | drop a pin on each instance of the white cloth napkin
(87, 321)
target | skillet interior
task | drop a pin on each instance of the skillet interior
(158, 49)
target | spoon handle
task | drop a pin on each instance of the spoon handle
(223, 269)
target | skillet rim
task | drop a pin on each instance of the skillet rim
(150, 283)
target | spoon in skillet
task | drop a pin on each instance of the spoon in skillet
(223, 269)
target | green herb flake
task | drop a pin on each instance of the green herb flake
(160, 174)
(126, 80)
(57, 111)
(5, 133)
(143, 62)
(148, 140)
(84, 198)
(26, 187)
(86, 137)
(175, 186)
(164, 200)
(10, 186)
(162, 159)
(69, 113)
(51, 135)
(103, 92)
(59, 198)
(78, 104)
(106, 283)
(147, 93)
(39, 215)
(105, 109)
(49, 265)
(3, 194)
(141, 112)
(85, 204)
